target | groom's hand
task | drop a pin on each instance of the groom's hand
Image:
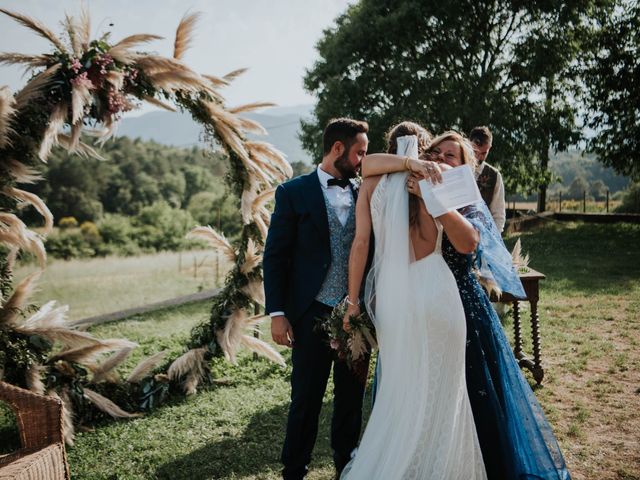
(281, 331)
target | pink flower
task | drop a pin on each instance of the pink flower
(116, 102)
(103, 61)
(82, 81)
(76, 65)
(334, 344)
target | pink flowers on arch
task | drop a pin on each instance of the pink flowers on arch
(98, 75)
(75, 65)
(82, 81)
(116, 102)
(103, 61)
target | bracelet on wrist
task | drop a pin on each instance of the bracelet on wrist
(406, 163)
(350, 303)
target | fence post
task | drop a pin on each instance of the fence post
(607, 201)
(584, 201)
(559, 201)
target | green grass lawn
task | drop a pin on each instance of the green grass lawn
(590, 320)
(104, 285)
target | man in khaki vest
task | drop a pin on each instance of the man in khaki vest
(488, 177)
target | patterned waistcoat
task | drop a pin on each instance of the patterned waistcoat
(487, 182)
(335, 284)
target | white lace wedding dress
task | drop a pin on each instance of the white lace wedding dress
(421, 426)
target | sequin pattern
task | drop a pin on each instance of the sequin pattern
(515, 437)
(334, 287)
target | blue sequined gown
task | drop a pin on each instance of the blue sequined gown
(515, 438)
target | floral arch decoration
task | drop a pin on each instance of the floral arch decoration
(80, 90)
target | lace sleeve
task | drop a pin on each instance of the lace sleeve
(493, 260)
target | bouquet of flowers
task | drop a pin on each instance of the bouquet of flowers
(354, 346)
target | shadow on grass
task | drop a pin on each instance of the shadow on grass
(256, 451)
(586, 258)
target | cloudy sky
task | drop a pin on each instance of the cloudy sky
(274, 38)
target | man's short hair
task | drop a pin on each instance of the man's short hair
(342, 130)
(481, 136)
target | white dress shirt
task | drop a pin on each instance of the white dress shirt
(340, 200)
(496, 207)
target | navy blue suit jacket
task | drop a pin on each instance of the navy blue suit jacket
(297, 253)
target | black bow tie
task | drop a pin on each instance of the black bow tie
(340, 182)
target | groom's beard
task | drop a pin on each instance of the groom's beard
(344, 166)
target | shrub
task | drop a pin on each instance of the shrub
(68, 222)
(90, 231)
(161, 227)
(208, 208)
(631, 200)
(116, 229)
(69, 244)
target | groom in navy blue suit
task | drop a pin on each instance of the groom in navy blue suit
(305, 264)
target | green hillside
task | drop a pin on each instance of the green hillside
(569, 165)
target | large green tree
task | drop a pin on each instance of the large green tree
(456, 64)
(612, 80)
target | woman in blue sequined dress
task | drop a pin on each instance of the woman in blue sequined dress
(516, 440)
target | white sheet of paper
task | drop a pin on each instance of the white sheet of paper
(458, 188)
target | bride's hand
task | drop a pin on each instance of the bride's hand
(352, 311)
(426, 169)
(412, 185)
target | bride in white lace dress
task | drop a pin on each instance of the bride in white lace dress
(421, 426)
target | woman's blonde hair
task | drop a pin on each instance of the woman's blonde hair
(466, 150)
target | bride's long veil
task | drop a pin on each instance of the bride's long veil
(387, 282)
(392, 251)
(388, 302)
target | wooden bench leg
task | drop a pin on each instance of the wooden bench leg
(538, 371)
(517, 333)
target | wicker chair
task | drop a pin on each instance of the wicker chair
(39, 419)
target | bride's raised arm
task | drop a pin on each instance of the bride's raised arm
(381, 163)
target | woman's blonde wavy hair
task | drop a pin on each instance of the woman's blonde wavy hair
(466, 150)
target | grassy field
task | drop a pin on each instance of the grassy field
(590, 320)
(103, 285)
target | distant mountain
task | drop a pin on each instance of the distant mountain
(179, 130)
(283, 125)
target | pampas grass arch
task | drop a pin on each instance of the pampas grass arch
(80, 90)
